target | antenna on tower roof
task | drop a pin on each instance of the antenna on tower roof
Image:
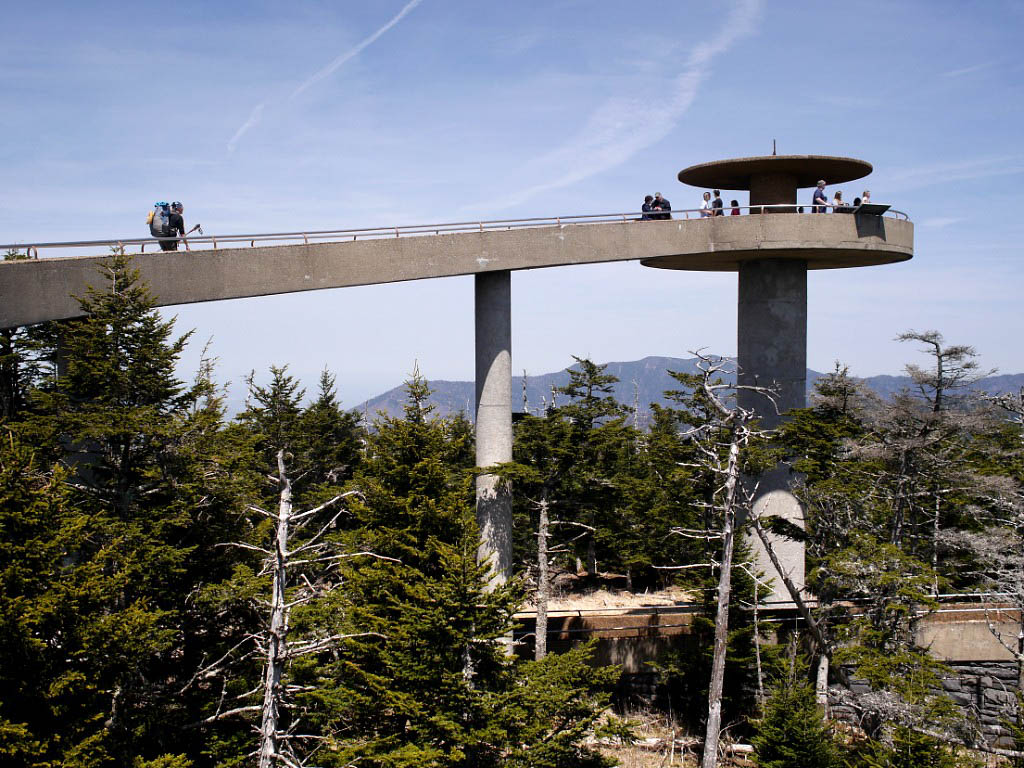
(773, 147)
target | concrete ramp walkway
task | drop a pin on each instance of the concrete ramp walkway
(37, 290)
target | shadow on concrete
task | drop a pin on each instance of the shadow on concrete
(870, 226)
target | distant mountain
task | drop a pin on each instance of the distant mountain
(641, 382)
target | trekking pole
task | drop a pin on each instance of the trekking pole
(184, 238)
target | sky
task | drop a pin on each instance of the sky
(274, 116)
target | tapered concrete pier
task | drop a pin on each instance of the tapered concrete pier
(771, 335)
(493, 308)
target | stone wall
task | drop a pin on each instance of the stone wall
(983, 690)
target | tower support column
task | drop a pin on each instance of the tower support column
(493, 310)
(771, 329)
(772, 352)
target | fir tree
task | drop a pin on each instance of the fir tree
(132, 534)
(435, 686)
(792, 732)
(332, 437)
(578, 455)
(272, 416)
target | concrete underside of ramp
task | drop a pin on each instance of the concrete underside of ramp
(633, 638)
(38, 290)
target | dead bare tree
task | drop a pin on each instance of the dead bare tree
(955, 368)
(720, 443)
(540, 640)
(823, 647)
(298, 576)
(544, 561)
(999, 547)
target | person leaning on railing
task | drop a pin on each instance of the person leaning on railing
(662, 206)
(838, 206)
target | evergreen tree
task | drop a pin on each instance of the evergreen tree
(272, 416)
(132, 537)
(876, 642)
(792, 732)
(33, 508)
(332, 437)
(910, 749)
(578, 455)
(22, 364)
(435, 686)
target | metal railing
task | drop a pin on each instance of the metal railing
(413, 230)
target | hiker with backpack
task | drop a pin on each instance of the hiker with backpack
(167, 223)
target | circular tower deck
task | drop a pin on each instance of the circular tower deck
(791, 172)
(724, 243)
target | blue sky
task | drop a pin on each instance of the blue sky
(271, 116)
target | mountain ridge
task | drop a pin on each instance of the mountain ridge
(641, 382)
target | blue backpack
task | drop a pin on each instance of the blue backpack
(159, 220)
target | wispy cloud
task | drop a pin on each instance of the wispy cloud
(847, 101)
(623, 126)
(967, 70)
(940, 222)
(942, 173)
(257, 113)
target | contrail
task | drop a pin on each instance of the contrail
(330, 68)
(254, 117)
(257, 114)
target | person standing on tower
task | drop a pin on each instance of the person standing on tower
(705, 207)
(819, 201)
(663, 206)
(717, 206)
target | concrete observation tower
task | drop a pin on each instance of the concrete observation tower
(772, 254)
(771, 249)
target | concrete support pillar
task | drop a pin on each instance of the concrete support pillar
(772, 347)
(493, 294)
(772, 334)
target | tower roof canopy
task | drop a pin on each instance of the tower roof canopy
(806, 169)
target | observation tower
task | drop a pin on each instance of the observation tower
(771, 250)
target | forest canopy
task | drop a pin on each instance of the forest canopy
(295, 586)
